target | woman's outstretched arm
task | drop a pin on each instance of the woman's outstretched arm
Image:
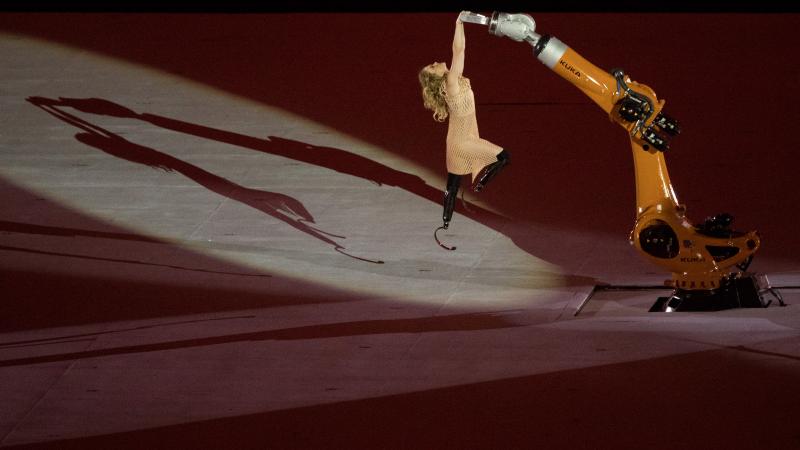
(457, 64)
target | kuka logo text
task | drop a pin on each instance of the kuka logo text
(570, 68)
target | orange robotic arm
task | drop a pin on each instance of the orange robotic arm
(707, 261)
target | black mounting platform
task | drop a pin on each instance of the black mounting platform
(740, 291)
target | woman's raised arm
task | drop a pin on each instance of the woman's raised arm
(457, 64)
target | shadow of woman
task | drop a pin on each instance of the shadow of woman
(280, 206)
(331, 158)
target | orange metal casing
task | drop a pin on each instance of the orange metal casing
(693, 267)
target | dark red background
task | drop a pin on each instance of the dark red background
(731, 79)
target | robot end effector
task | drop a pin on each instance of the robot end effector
(517, 27)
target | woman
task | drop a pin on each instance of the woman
(448, 94)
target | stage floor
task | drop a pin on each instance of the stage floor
(241, 254)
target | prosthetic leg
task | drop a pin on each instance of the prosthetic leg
(708, 261)
(449, 204)
(503, 158)
(450, 194)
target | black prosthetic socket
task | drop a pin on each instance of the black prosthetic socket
(450, 194)
(503, 159)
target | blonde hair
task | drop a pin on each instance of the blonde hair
(433, 94)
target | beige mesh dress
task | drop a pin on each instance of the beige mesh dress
(466, 151)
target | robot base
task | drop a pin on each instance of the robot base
(743, 290)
